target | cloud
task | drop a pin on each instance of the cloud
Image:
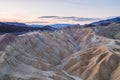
(85, 19)
(49, 17)
(36, 22)
(72, 18)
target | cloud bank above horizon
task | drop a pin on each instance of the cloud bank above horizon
(63, 19)
(73, 18)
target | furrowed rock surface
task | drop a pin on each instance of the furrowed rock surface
(35, 55)
(96, 63)
(66, 54)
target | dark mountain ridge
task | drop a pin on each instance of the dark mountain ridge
(21, 27)
(104, 22)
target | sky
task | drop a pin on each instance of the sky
(58, 11)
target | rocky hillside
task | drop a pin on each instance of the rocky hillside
(95, 63)
(111, 31)
(68, 54)
(109, 28)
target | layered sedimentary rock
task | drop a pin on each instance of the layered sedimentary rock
(66, 54)
(96, 63)
(35, 55)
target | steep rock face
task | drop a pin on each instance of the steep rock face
(96, 63)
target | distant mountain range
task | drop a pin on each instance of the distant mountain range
(14, 27)
(14, 23)
(53, 25)
(10, 27)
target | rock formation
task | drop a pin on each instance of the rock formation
(66, 54)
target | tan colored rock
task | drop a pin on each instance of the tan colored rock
(49, 55)
(96, 63)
